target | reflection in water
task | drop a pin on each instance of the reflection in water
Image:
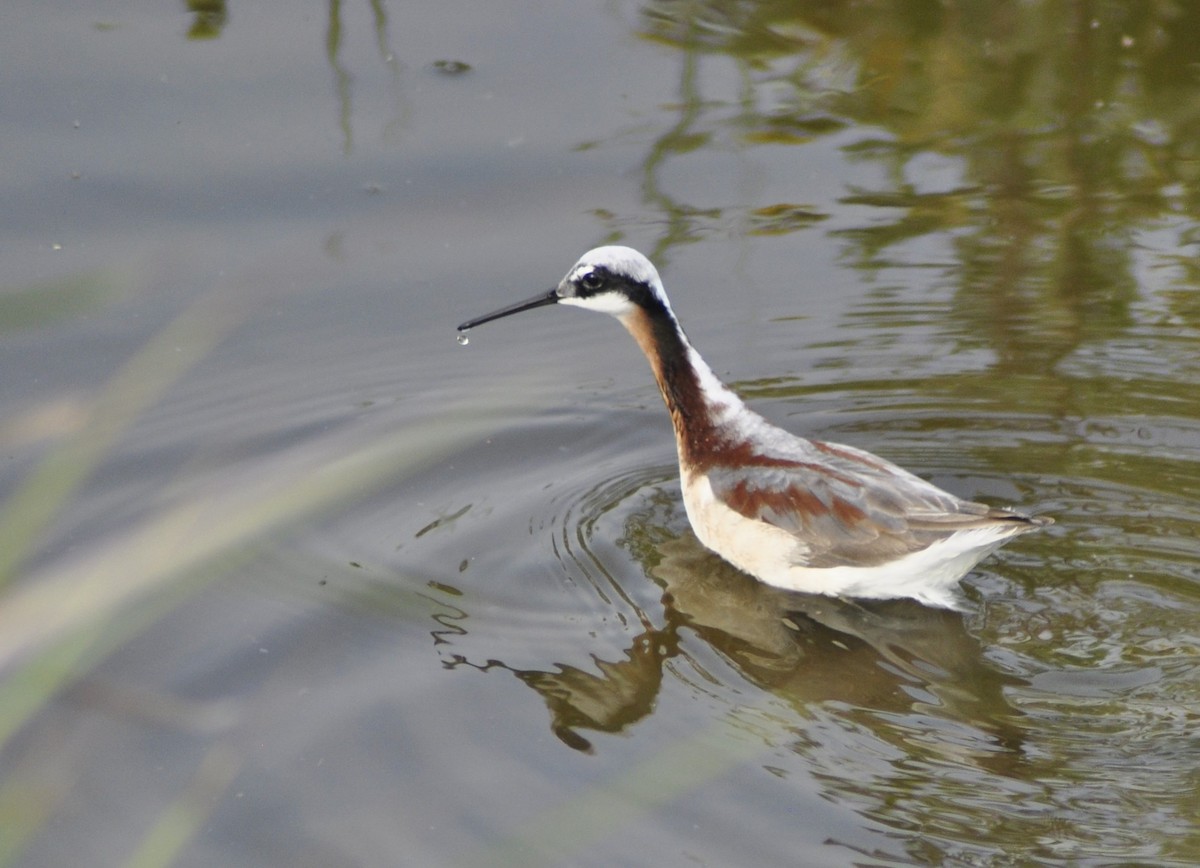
(341, 75)
(1061, 137)
(898, 711)
(617, 696)
(210, 18)
(892, 657)
(871, 662)
(1072, 111)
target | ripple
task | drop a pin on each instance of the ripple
(589, 520)
(566, 561)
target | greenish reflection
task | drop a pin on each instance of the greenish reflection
(52, 302)
(1065, 116)
(1072, 128)
(209, 18)
(1065, 143)
(341, 74)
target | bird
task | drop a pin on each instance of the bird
(800, 514)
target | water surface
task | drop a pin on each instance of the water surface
(292, 578)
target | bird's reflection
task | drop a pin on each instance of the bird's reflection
(892, 657)
(617, 695)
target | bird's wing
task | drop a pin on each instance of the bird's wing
(846, 506)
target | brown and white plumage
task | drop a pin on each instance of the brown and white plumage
(798, 514)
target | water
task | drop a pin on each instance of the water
(292, 581)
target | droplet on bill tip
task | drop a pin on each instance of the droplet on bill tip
(462, 339)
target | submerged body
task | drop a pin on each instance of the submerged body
(799, 514)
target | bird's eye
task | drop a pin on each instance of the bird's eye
(591, 281)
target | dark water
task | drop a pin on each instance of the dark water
(293, 579)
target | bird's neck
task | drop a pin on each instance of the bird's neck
(706, 413)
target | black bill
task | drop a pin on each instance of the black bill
(542, 300)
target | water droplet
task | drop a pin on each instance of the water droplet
(462, 339)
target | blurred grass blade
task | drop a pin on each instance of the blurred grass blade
(159, 364)
(181, 820)
(62, 601)
(47, 303)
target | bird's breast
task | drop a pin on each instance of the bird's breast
(754, 546)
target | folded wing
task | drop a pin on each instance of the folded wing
(850, 508)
